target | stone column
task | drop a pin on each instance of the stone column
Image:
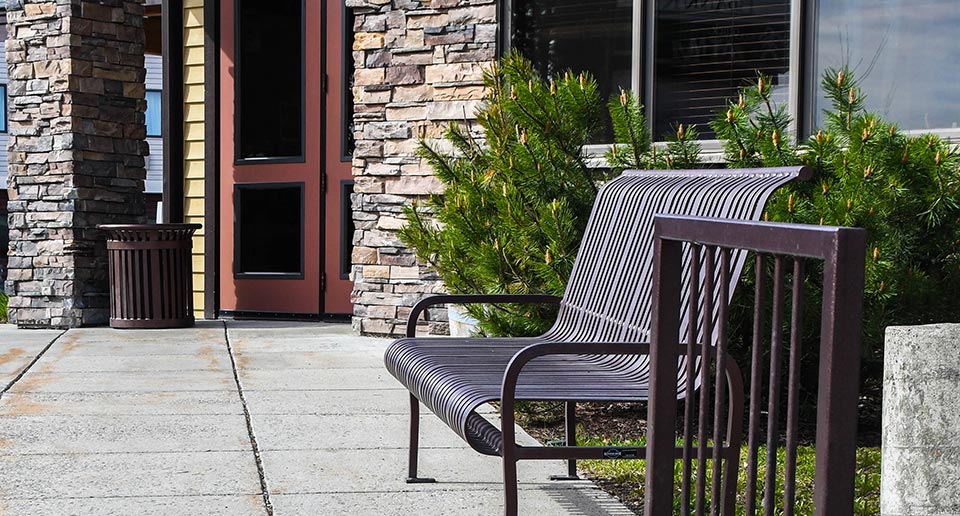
(76, 152)
(418, 67)
(921, 421)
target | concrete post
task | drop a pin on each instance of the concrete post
(76, 153)
(921, 421)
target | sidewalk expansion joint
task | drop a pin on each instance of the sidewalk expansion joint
(31, 364)
(268, 505)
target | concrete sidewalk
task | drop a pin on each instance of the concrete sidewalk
(235, 418)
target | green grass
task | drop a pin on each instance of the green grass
(3, 307)
(628, 476)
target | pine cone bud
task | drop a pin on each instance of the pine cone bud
(906, 155)
(820, 137)
(742, 103)
(821, 221)
(730, 116)
(623, 97)
(680, 133)
(938, 159)
(583, 81)
(867, 171)
(824, 186)
(546, 258)
(893, 131)
(553, 87)
(866, 134)
(530, 85)
(840, 78)
(776, 138)
(853, 95)
(760, 84)
(882, 286)
(743, 154)
(790, 204)
(849, 204)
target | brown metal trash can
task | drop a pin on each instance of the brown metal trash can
(150, 275)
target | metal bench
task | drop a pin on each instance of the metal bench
(598, 348)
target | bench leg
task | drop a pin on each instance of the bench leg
(509, 455)
(570, 418)
(412, 477)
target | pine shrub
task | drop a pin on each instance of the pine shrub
(519, 188)
(902, 188)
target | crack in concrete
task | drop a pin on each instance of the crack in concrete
(268, 505)
(31, 364)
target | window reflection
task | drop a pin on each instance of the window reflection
(904, 52)
(595, 36)
(706, 50)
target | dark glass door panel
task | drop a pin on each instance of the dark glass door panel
(270, 80)
(269, 230)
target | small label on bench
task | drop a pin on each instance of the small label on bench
(620, 453)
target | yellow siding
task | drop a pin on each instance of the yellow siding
(193, 131)
(193, 188)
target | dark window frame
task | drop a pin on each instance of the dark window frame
(160, 134)
(238, 224)
(347, 228)
(347, 68)
(302, 157)
(5, 127)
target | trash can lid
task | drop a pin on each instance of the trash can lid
(143, 227)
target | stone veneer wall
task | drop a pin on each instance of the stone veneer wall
(77, 142)
(418, 66)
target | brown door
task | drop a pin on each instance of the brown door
(338, 216)
(275, 203)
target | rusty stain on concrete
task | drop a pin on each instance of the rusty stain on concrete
(206, 353)
(18, 404)
(10, 355)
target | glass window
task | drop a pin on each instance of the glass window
(269, 79)
(706, 50)
(904, 53)
(347, 144)
(154, 110)
(703, 50)
(560, 35)
(3, 109)
(269, 229)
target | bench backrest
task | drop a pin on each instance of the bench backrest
(608, 297)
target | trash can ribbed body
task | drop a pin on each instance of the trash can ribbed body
(150, 275)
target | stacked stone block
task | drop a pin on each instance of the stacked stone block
(76, 151)
(418, 67)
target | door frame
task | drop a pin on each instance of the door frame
(212, 163)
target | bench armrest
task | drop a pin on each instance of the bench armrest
(465, 299)
(532, 351)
